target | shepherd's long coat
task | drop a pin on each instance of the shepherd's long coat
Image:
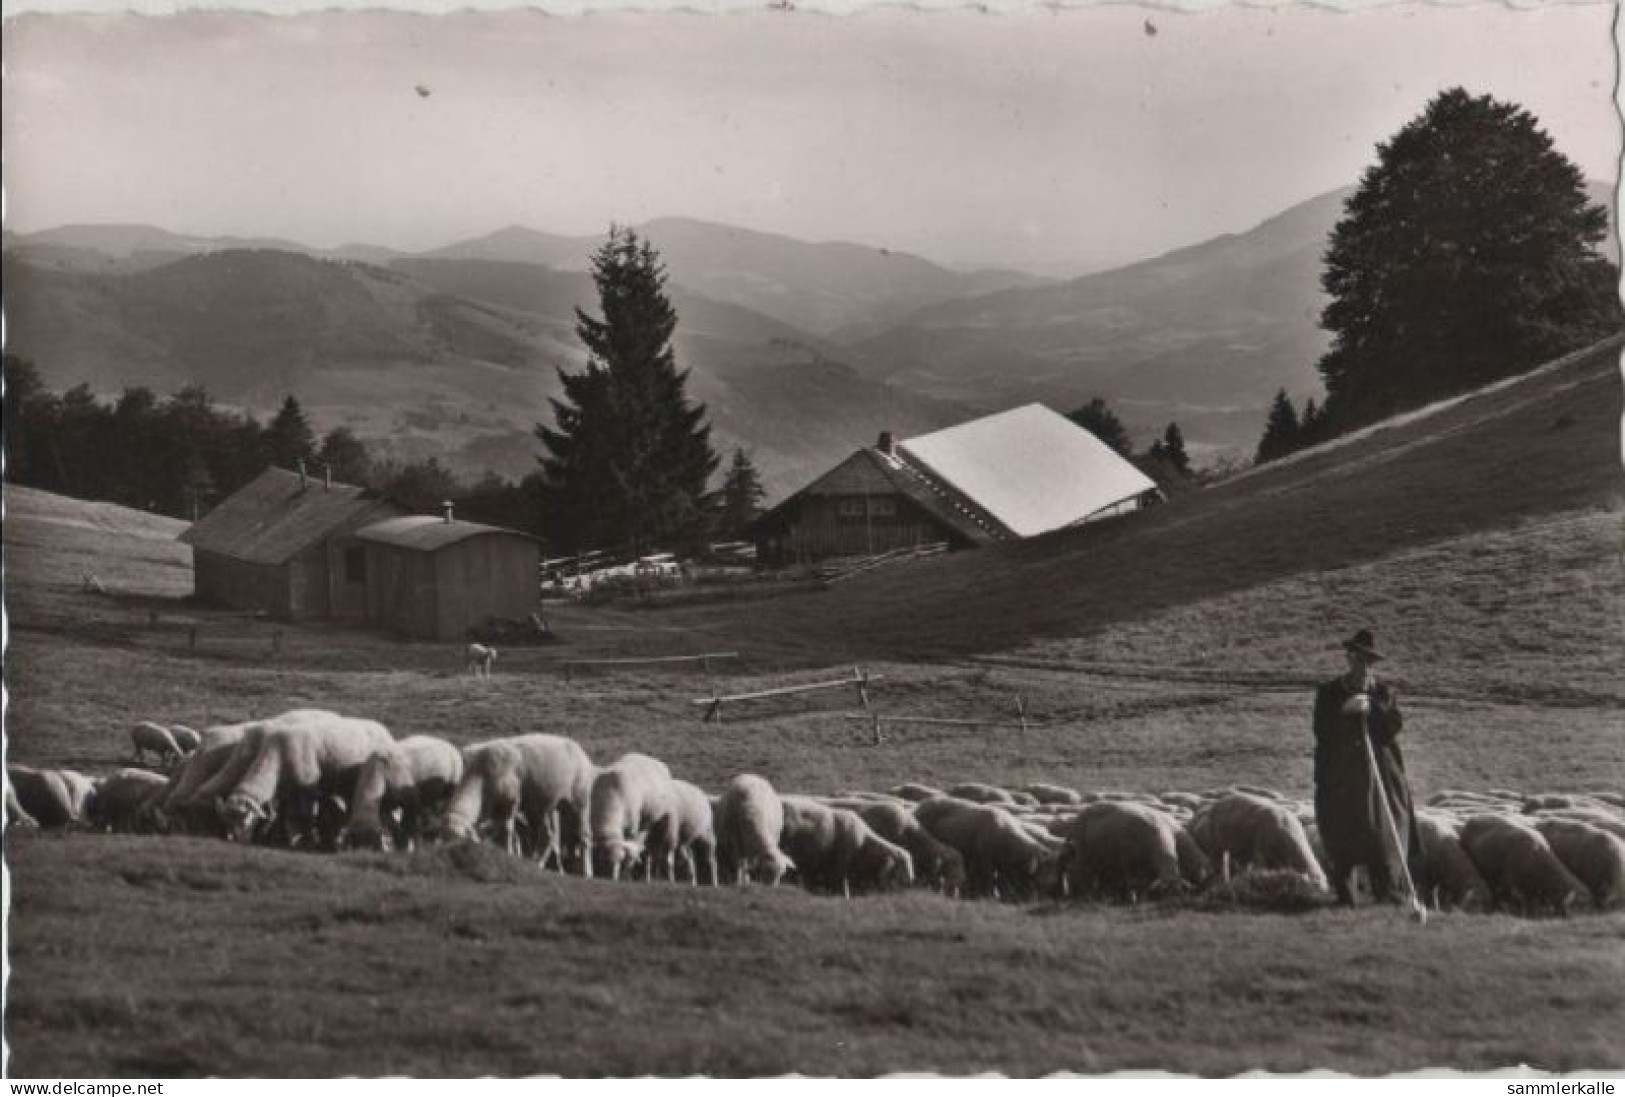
(1348, 803)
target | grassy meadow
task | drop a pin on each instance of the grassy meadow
(1176, 650)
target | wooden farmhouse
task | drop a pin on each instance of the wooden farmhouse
(994, 480)
(434, 578)
(284, 544)
(298, 546)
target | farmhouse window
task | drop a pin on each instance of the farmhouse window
(883, 508)
(355, 564)
(851, 508)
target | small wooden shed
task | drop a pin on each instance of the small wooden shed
(435, 578)
(282, 545)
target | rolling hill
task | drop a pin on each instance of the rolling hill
(454, 359)
(1204, 335)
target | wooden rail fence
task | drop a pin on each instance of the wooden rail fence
(860, 680)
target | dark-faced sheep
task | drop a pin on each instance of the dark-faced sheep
(1001, 858)
(1245, 830)
(634, 814)
(302, 756)
(546, 779)
(398, 790)
(1593, 855)
(749, 823)
(1452, 881)
(1518, 864)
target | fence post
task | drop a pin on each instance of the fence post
(861, 680)
(1021, 710)
(152, 618)
(276, 642)
(191, 638)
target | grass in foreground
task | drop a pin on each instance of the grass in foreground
(214, 959)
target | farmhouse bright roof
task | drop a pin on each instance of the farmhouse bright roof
(1031, 468)
(277, 514)
(427, 534)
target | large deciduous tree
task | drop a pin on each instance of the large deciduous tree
(1468, 253)
(629, 456)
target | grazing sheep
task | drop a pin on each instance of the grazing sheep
(123, 800)
(1594, 856)
(43, 796)
(1001, 858)
(1053, 794)
(15, 815)
(696, 832)
(1122, 849)
(185, 738)
(1612, 823)
(833, 849)
(207, 775)
(546, 778)
(1523, 873)
(479, 659)
(749, 822)
(302, 756)
(81, 793)
(156, 740)
(397, 789)
(935, 864)
(1451, 879)
(978, 793)
(634, 812)
(1250, 830)
(1187, 800)
(916, 793)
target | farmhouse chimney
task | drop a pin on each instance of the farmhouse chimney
(302, 481)
(445, 508)
(885, 443)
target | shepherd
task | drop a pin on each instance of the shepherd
(1362, 801)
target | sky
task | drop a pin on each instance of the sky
(1051, 138)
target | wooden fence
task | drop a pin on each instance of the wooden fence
(859, 680)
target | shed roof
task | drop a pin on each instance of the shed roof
(278, 514)
(426, 533)
(1031, 468)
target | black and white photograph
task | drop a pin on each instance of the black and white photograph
(961, 540)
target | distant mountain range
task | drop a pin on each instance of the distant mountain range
(802, 351)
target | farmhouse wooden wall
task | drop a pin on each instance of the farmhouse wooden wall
(236, 584)
(439, 595)
(853, 525)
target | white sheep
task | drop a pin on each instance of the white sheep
(123, 800)
(16, 814)
(935, 864)
(204, 776)
(546, 779)
(1523, 872)
(185, 738)
(302, 755)
(979, 793)
(1452, 880)
(479, 659)
(1247, 829)
(1592, 854)
(44, 796)
(1053, 794)
(696, 832)
(1001, 858)
(634, 812)
(398, 788)
(749, 822)
(833, 849)
(1123, 849)
(156, 740)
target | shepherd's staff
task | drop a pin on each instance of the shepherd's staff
(1418, 912)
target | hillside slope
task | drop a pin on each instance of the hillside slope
(1204, 335)
(1547, 444)
(452, 359)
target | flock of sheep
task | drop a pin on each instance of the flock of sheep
(317, 779)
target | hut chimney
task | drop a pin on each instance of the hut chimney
(327, 476)
(445, 508)
(302, 480)
(885, 443)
